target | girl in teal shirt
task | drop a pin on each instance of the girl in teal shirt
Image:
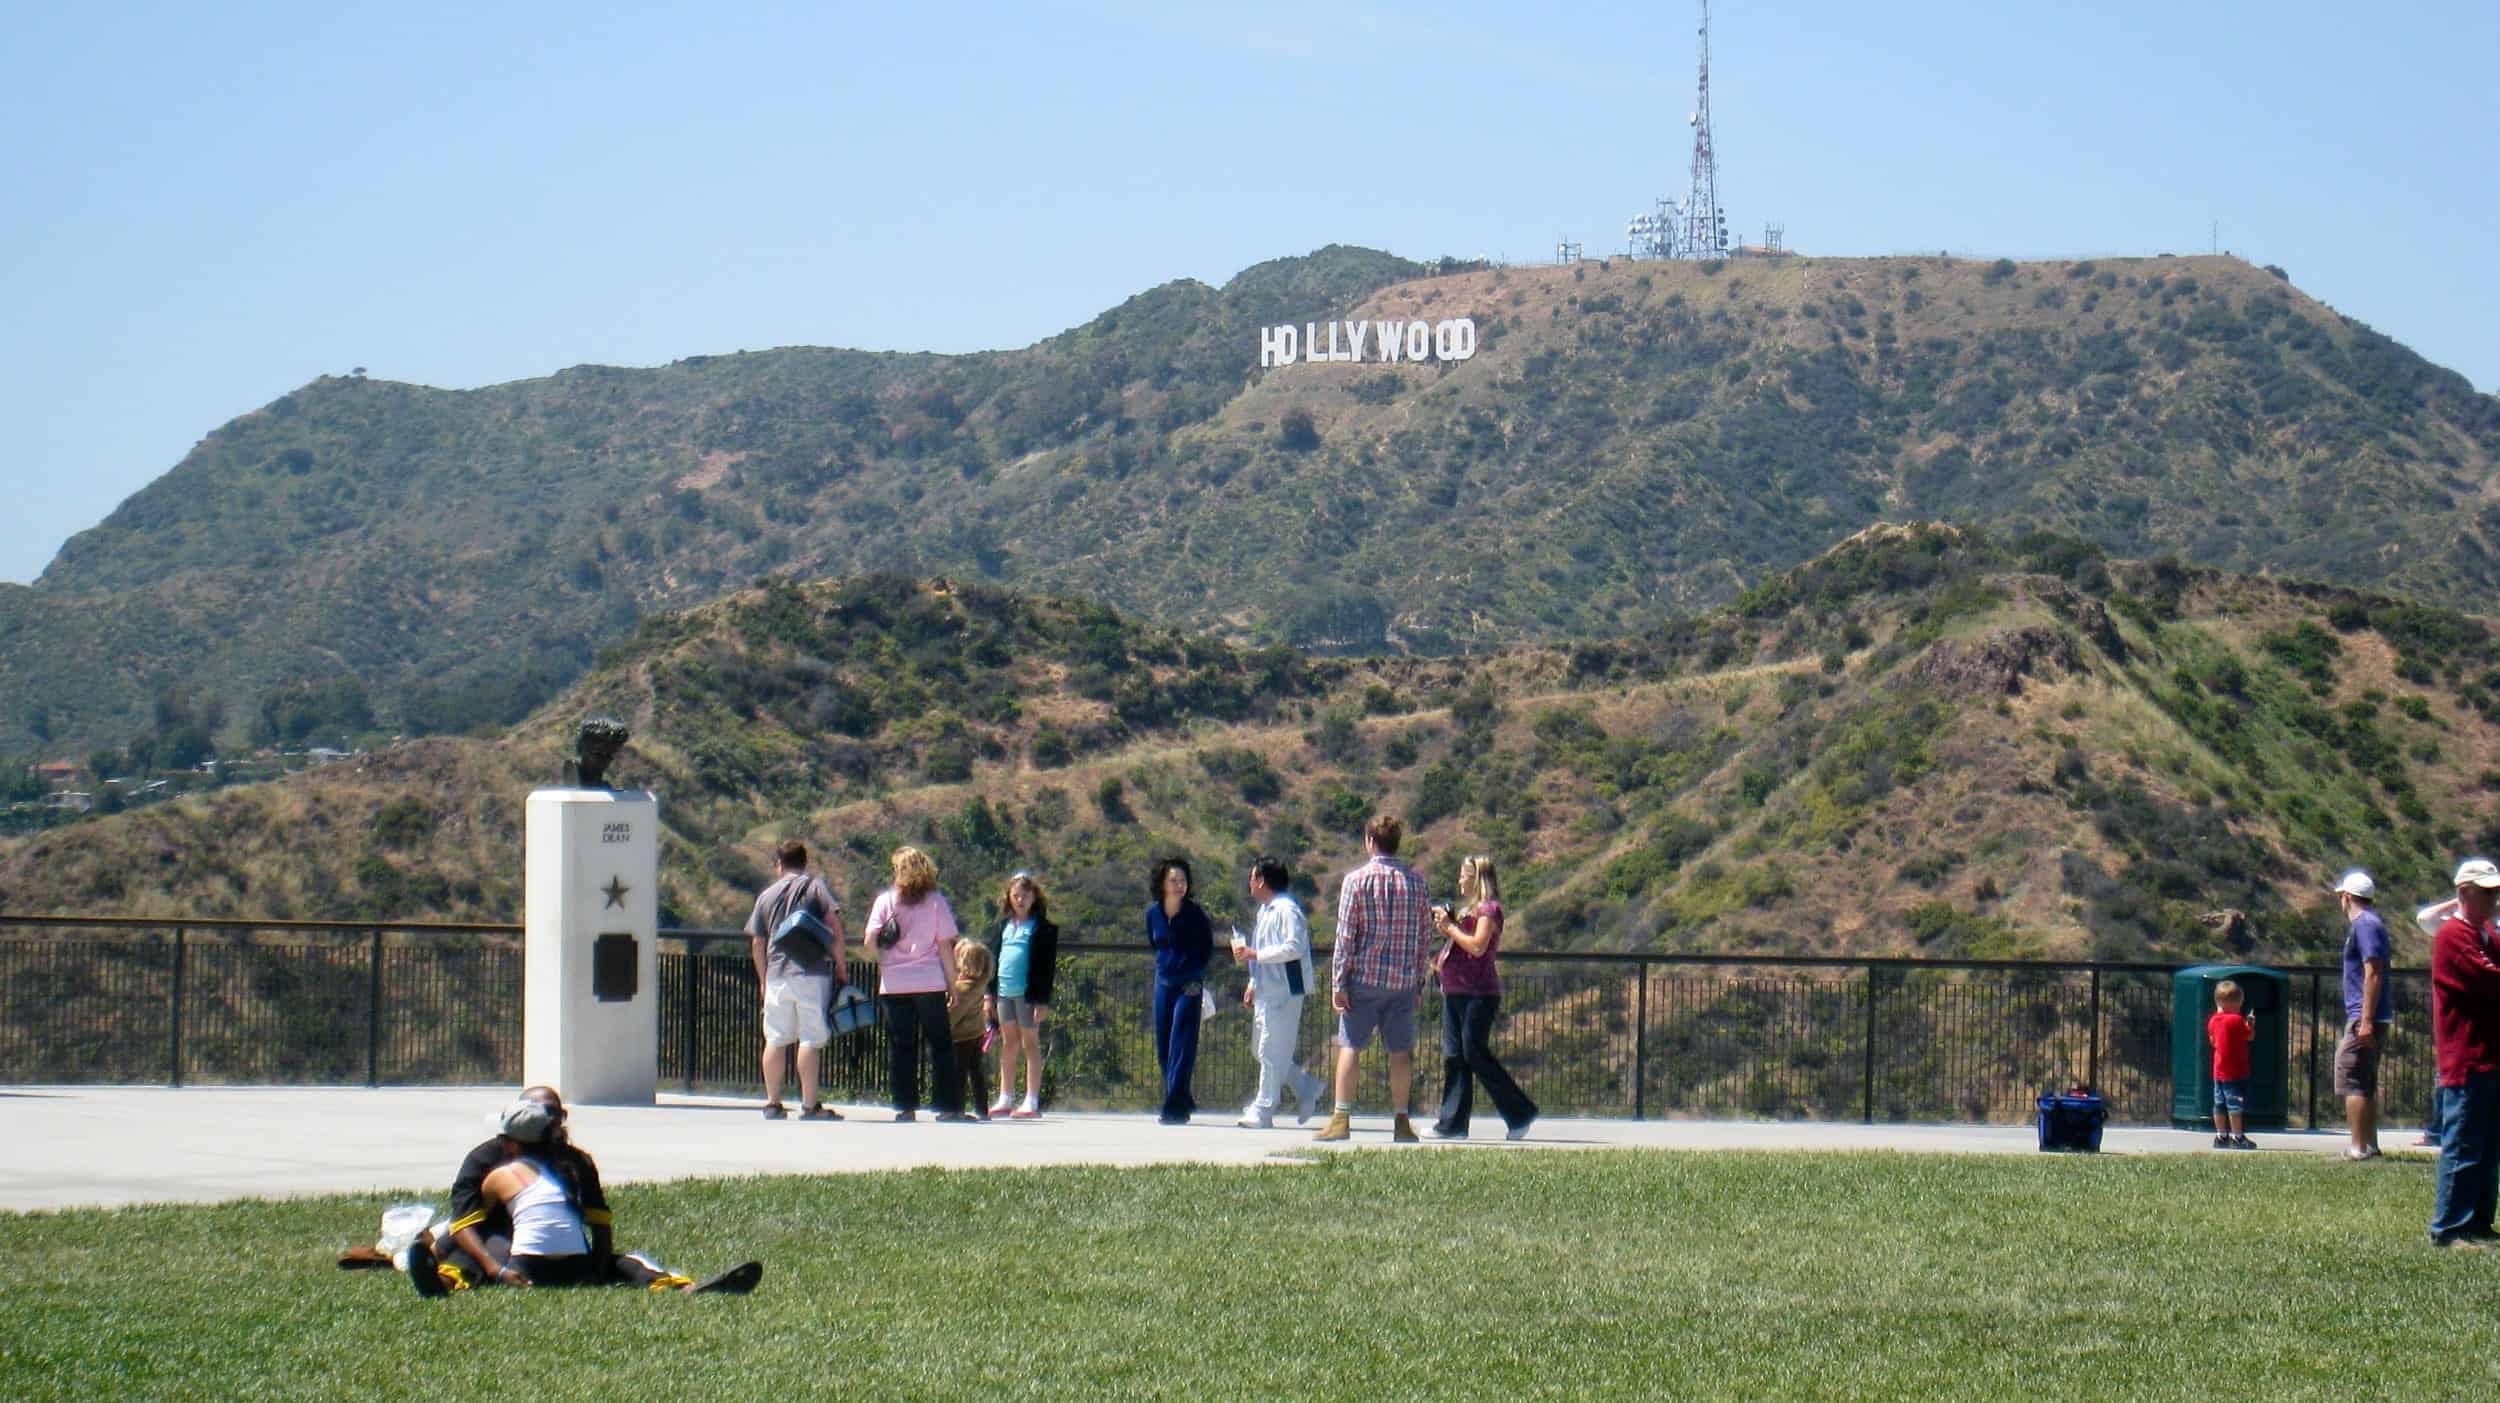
(1027, 947)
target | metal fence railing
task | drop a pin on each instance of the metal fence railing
(197, 1001)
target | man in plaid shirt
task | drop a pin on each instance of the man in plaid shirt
(1375, 972)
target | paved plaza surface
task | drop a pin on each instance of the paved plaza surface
(70, 1147)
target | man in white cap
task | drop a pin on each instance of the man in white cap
(2465, 1029)
(2366, 1009)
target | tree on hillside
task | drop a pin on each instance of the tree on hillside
(329, 709)
(175, 709)
(1296, 432)
(1344, 620)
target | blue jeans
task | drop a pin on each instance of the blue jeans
(2468, 1115)
(1467, 1058)
(1177, 1009)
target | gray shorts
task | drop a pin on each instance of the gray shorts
(2356, 1067)
(1018, 1013)
(1390, 1012)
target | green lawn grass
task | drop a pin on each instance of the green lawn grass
(1482, 1274)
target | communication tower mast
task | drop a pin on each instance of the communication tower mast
(1705, 224)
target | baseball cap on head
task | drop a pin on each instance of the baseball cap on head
(529, 1121)
(2357, 883)
(2478, 872)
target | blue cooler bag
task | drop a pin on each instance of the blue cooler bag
(2072, 1120)
(853, 1011)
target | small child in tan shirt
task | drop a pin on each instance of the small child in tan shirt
(965, 1019)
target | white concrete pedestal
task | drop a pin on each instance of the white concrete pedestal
(591, 997)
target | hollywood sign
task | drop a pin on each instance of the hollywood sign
(1383, 343)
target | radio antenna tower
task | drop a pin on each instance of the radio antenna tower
(1705, 225)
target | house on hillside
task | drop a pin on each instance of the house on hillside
(76, 801)
(56, 774)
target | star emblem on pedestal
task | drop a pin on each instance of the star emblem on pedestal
(615, 891)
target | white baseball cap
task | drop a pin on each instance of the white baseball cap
(2478, 872)
(2357, 883)
(530, 1122)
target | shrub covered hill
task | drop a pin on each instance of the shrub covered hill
(1924, 740)
(1631, 442)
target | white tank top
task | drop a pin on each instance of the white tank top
(544, 1221)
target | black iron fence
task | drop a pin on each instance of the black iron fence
(108, 999)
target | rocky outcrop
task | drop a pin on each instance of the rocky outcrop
(2089, 616)
(1996, 663)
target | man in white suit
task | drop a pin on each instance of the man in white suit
(1278, 954)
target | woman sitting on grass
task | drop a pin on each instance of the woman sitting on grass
(548, 1191)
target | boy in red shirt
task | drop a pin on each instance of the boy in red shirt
(2229, 1030)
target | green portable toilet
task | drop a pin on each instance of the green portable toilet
(2265, 993)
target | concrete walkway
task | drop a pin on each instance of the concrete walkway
(109, 1146)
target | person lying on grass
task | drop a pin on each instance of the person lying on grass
(558, 1232)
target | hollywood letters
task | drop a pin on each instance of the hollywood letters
(1380, 342)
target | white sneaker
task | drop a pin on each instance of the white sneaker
(1257, 1120)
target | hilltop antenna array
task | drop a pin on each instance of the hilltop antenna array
(1698, 227)
(1653, 235)
(1566, 250)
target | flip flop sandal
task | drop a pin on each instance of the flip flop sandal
(737, 1281)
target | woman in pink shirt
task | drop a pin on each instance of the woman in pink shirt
(1471, 998)
(912, 930)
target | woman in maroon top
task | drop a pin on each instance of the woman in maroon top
(1471, 997)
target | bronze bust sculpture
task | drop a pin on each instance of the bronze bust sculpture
(596, 742)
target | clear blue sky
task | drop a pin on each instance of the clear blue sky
(208, 205)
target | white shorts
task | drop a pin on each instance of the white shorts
(794, 1010)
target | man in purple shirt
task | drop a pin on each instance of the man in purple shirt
(2366, 1010)
(1376, 973)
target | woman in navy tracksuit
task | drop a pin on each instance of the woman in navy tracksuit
(1183, 939)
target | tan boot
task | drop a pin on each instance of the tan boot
(1403, 1131)
(1340, 1127)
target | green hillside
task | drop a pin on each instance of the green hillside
(1925, 740)
(1632, 442)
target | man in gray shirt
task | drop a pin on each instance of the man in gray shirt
(796, 972)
